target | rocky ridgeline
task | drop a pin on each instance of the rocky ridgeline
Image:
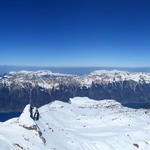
(45, 86)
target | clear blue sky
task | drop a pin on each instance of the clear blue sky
(75, 32)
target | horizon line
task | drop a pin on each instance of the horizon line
(50, 66)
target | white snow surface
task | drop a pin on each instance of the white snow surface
(25, 119)
(82, 124)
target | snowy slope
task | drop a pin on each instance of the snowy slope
(82, 124)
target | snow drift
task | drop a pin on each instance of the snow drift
(81, 124)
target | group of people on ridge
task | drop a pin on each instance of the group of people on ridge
(34, 113)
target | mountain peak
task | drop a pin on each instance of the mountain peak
(25, 118)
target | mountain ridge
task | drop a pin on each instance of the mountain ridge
(45, 86)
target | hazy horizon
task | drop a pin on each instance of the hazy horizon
(70, 70)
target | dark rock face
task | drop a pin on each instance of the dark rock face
(14, 98)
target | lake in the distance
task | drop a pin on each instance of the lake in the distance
(6, 116)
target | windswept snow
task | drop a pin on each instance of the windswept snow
(25, 119)
(82, 124)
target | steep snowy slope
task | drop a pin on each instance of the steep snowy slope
(82, 124)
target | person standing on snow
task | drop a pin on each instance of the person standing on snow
(31, 111)
(36, 114)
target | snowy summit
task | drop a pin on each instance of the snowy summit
(81, 124)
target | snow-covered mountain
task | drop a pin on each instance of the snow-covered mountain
(44, 78)
(45, 86)
(82, 124)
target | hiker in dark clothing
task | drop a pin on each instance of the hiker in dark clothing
(31, 111)
(36, 115)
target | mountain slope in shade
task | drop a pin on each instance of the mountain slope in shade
(82, 124)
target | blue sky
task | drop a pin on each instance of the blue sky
(75, 32)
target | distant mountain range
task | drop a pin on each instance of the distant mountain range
(42, 87)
